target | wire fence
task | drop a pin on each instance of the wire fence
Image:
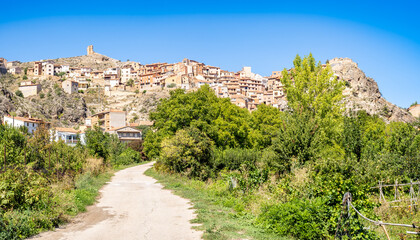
(344, 220)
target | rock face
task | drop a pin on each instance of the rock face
(362, 93)
(55, 106)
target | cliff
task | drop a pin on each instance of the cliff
(362, 93)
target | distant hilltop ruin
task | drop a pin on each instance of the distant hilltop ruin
(90, 50)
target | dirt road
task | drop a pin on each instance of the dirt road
(132, 206)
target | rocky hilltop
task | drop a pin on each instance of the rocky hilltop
(362, 93)
(93, 60)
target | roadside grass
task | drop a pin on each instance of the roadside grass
(220, 216)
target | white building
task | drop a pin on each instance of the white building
(70, 136)
(30, 123)
(112, 71)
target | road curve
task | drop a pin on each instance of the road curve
(132, 206)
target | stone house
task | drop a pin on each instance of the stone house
(70, 86)
(29, 89)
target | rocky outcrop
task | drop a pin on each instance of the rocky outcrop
(51, 104)
(362, 93)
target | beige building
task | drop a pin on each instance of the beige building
(109, 119)
(126, 134)
(29, 89)
(48, 69)
(38, 68)
(70, 86)
(415, 110)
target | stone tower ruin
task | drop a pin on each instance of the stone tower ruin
(90, 50)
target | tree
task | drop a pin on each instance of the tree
(188, 152)
(265, 122)
(130, 82)
(312, 88)
(223, 122)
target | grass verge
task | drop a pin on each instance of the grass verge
(218, 218)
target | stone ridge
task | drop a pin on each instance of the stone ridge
(362, 93)
(96, 61)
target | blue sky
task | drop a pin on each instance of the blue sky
(384, 39)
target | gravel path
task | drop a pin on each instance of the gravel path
(132, 206)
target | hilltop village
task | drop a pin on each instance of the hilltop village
(114, 78)
(244, 88)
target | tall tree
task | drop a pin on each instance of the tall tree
(312, 88)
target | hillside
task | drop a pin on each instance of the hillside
(51, 104)
(94, 61)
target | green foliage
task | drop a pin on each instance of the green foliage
(19, 93)
(235, 158)
(130, 82)
(312, 88)
(187, 152)
(128, 156)
(298, 139)
(224, 123)
(265, 122)
(137, 91)
(299, 218)
(171, 85)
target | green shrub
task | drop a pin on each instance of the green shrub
(187, 152)
(19, 93)
(128, 156)
(301, 219)
(235, 158)
(171, 85)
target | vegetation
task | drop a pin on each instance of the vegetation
(286, 171)
(171, 85)
(19, 93)
(43, 183)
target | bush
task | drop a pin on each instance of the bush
(302, 219)
(171, 85)
(235, 158)
(128, 156)
(188, 152)
(19, 93)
